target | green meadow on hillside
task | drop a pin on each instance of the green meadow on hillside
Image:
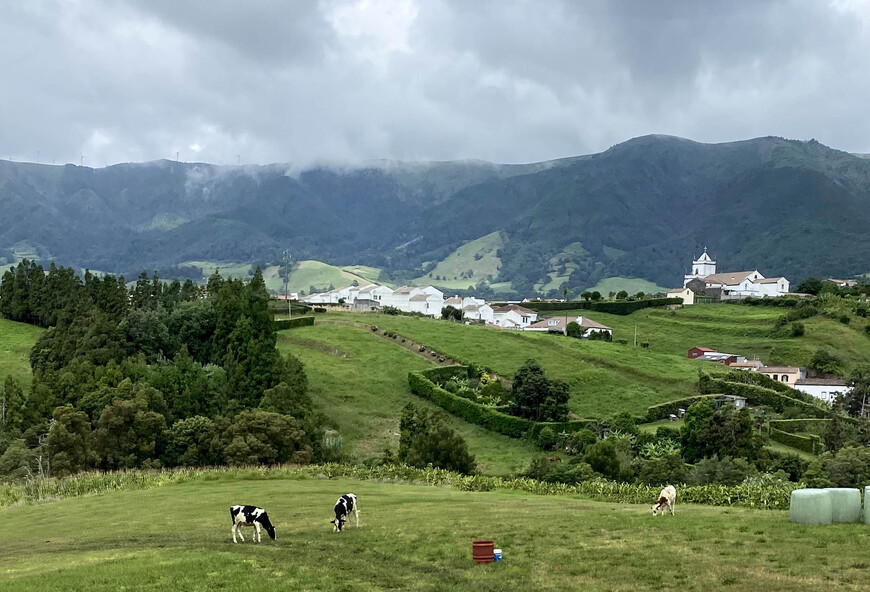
(413, 537)
(361, 382)
(478, 256)
(630, 285)
(16, 341)
(604, 378)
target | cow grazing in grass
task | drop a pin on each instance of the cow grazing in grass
(251, 516)
(345, 505)
(667, 500)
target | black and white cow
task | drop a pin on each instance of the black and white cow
(345, 505)
(251, 516)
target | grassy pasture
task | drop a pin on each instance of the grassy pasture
(478, 255)
(630, 285)
(16, 341)
(604, 378)
(361, 382)
(413, 538)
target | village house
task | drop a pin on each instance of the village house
(558, 325)
(474, 312)
(786, 374)
(826, 389)
(685, 293)
(513, 316)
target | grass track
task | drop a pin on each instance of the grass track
(413, 538)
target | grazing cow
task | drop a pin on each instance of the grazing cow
(251, 516)
(343, 508)
(667, 500)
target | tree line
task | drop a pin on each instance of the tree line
(161, 374)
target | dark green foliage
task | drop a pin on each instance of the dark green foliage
(797, 330)
(195, 442)
(725, 472)
(537, 398)
(857, 400)
(11, 405)
(259, 437)
(574, 330)
(848, 467)
(617, 307)
(611, 459)
(69, 442)
(758, 395)
(826, 362)
(550, 471)
(664, 470)
(724, 432)
(129, 429)
(810, 285)
(293, 323)
(834, 436)
(811, 443)
(426, 440)
(621, 295)
(451, 313)
(547, 438)
(791, 464)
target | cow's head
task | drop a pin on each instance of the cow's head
(273, 532)
(338, 523)
(659, 506)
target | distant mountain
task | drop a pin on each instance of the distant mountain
(640, 209)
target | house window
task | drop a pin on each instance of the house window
(785, 377)
(776, 376)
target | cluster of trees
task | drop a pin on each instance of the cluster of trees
(160, 375)
(815, 286)
(425, 440)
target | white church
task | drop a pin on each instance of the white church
(731, 285)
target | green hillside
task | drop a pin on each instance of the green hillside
(302, 276)
(16, 341)
(604, 378)
(630, 285)
(412, 537)
(469, 264)
(361, 382)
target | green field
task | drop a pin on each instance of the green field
(478, 255)
(604, 378)
(413, 538)
(630, 285)
(16, 341)
(360, 381)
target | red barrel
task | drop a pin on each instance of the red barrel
(483, 551)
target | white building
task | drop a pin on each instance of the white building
(513, 316)
(732, 285)
(474, 312)
(558, 325)
(826, 389)
(686, 294)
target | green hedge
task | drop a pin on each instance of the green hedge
(757, 395)
(445, 373)
(664, 410)
(293, 323)
(811, 444)
(765, 381)
(484, 416)
(617, 307)
(813, 426)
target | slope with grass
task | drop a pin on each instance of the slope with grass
(360, 381)
(604, 378)
(630, 285)
(16, 341)
(413, 538)
(478, 256)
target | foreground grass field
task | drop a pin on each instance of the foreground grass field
(16, 341)
(361, 382)
(413, 538)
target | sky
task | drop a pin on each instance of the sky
(261, 81)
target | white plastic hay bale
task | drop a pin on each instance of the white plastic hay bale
(811, 506)
(845, 504)
(867, 505)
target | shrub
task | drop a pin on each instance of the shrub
(725, 471)
(610, 459)
(318, 309)
(811, 443)
(535, 397)
(826, 362)
(425, 440)
(662, 470)
(848, 467)
(293, 323)
(845, 319)
(797, 330)
(547, 438)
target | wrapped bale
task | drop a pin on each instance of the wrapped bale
(845, 504)
(811, 506)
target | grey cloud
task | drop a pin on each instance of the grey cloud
(342, 80)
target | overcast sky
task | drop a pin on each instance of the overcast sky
(279, 81)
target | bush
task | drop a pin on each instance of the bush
(610, 459)
(848, 467)
(318, 309)
(797, 330)
(547, 438)
(725, 471)
(293, 323)
(845, 319)
(757, 395)
(618, 307)
(663, 470)
(425, 440)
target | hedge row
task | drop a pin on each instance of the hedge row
(811, 443)
(445, 373)
(293, 323)
(37, 490)
(813, 426)
(757, 395)
(617, 307)
(665, 410)
(484, 416)
(760, 379)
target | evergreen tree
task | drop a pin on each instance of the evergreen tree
(426, 440)
(12, 405)
(69, 444)
(834, 436)
(535, 397)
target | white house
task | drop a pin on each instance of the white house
(826, 389)
(513, 316)
(427, 304)
(401, 297)
(558, 325)
(474, 312)
(685, 293)
(374, 292)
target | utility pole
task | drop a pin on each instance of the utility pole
(287, 282)
(635, 336)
